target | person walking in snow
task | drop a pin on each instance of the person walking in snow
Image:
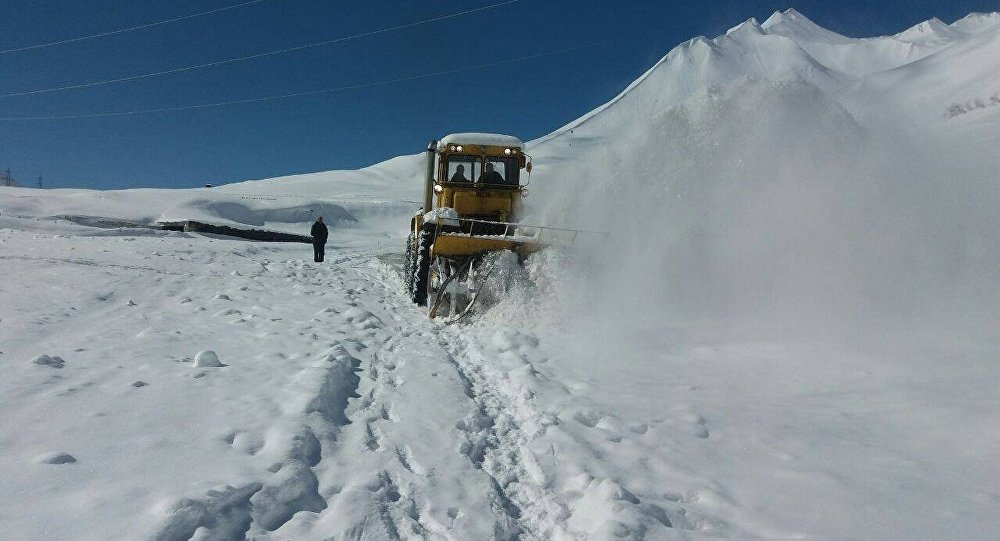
(319, 233)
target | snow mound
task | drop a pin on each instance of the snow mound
(258, 215)
(207, 359)
(447, 215)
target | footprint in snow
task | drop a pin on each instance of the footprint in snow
(588, 418)
(57, 458)
(508, 340)
(405, 458)
(698, 425)
(361, 318)
(45, 360)
(641, 428)
(372, 437)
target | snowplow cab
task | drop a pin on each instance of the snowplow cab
(479, 176)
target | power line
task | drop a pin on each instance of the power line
(261, 55)
(310, 92)
(132, 28)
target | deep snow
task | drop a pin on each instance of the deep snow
(791, 331)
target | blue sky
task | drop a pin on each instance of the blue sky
(610, 44)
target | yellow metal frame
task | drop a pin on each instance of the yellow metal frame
(470, 199)
(459, 245)
(495, 151)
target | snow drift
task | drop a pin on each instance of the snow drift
(747, 182)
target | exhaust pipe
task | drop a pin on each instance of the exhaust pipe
(429, 189)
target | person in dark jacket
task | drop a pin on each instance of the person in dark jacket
(459, 175)
(319, 233)
(491, 176)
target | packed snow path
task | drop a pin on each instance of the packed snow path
(219, 389)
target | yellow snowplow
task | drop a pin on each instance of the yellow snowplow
(472, 205)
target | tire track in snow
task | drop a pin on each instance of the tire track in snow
(391, 507)
(492, 439)
(398, 511)
(497, 444)
(357, 409)
(506, 512)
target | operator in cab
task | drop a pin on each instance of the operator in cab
(491, 176)
(459, 175)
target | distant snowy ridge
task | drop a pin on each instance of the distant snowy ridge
(381, 194)
(823, 57)
(743, 167)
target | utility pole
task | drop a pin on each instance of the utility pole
(39, 182)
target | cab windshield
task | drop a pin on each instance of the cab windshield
(464, 168)
(500, 171)
(491, 171)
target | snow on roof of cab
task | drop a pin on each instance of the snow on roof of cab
(492, 139)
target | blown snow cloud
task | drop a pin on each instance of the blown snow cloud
(784, 175)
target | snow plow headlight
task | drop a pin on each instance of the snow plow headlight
(506, 151)
(438, 189)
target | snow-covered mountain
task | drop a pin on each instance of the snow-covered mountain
(781, 168)
(791, 330)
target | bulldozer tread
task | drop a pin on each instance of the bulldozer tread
(421, 265)
(408, 266)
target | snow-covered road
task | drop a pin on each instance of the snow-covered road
(342, 412)
(337, 397)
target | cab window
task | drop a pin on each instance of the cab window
(463, 168)
(500, 171)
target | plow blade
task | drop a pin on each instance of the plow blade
(473, 237)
